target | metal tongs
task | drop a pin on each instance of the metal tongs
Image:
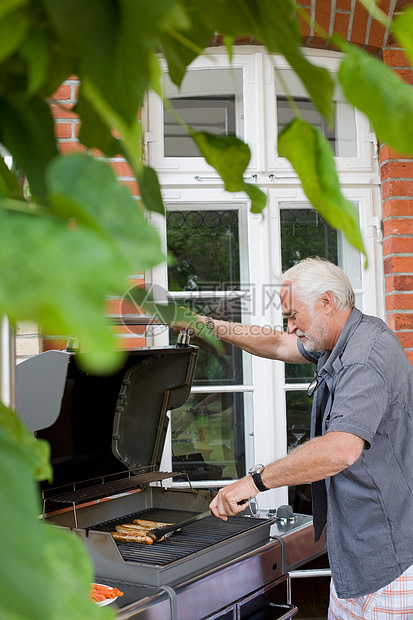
(167, 530)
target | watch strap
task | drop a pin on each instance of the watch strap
(256, 476)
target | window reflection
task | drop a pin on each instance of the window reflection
(208, 439)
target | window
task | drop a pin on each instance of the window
(244, 409)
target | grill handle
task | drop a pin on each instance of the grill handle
(158, 532)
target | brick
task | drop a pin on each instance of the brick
(399, 302)
(129, 344)
(26, 345)
(398, 226)
(397, 170)
(72, 147)
(122, 306)
(132, 186)
(395, 58)
(52, 344)
(398, 321)
(387, 152)
(406, 339)
(129, 329)
(398, 283)
(406, 75)
(397, 207)
(398, 264)
(397, 188)
(63, 130)
(27, 328)
(61, 110)
(398, 245)
(63, 92)
(121, 168)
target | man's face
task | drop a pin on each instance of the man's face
(308, 324)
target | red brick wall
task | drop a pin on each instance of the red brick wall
(67, 127)
(397, 196)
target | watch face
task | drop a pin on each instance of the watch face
(256, 469)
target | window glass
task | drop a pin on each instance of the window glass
(209, 100)
(208, 436)
(206, 273)
(341, 135)
(204, 247)
(298, 406)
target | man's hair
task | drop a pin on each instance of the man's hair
(312, 277)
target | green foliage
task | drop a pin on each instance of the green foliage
(80, 234)
(385, 98)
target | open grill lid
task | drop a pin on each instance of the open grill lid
(100, 425)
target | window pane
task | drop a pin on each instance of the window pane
(214, 115)
(304, 234)
(213, 367)
(204, 246)
(208, 436)
(342, 135)
(208, 100)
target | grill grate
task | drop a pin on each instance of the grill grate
(191, 539)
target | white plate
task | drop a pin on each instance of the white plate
(107, 601)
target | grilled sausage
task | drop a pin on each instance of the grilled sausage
(132, 537)
(150, 525)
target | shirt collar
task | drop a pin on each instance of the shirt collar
(330, 362)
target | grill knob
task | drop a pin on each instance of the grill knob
(285, 514)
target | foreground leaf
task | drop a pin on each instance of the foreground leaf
(150, 190)
(24, 571)
(383, 97)
(87, 190)
(312, 158)
(45, 573)
(60, 277)
(37, 450)
(31, 118)
(230, 157)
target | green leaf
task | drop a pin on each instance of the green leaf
(8, 6)
(402, 27)
(35, 52)
(72, 577)
(13, 28)
(150, 190)
(381, 94)
(60, 276)
(37, 450)
(230, 158)
(181, 46)
(45, 572)
(24, 571)
(275, 26)
(9, 185)
(94, 132)
(88, 190)
(32, 119)
(312, 158)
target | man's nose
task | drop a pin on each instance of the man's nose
(291, 327)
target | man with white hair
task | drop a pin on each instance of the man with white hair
(359, 459)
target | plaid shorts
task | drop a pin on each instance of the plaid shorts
(393, 602)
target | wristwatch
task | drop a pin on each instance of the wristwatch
(256, 472)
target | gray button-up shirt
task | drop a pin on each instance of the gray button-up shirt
(368, 391)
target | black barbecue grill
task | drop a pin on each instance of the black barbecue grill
(107, 436)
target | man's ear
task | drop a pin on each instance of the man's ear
(327, 302)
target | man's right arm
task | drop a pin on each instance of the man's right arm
(261, 341)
